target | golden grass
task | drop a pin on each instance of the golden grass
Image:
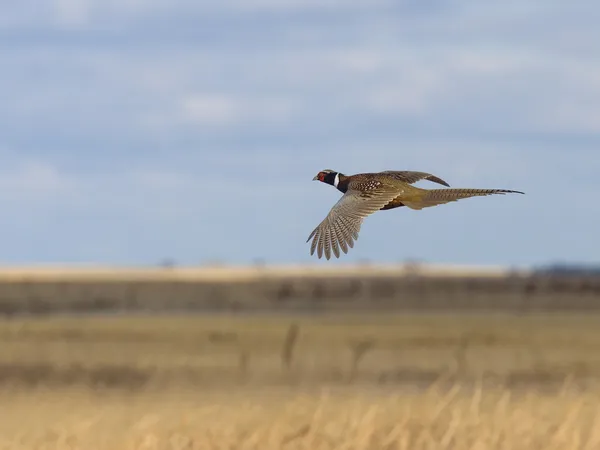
(291, 382)
(346, 418)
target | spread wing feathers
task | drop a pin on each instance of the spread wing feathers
(412, 177)
(436, 197)
(341, 226)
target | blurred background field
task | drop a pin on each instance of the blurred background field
(402, 374)
(299, 288)
(414, 350)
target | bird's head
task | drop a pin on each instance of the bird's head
(328, 176)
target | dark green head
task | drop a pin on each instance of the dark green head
(329, 176)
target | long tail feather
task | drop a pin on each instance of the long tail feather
(435, 197)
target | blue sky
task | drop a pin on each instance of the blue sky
(132, 131)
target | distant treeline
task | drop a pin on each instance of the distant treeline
(569, 269)
(304, 293)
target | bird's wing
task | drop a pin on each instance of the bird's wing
(341, 226)
(411, 177)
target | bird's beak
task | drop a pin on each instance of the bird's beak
(315, 178)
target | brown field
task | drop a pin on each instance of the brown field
(369, 381)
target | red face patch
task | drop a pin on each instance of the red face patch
(321, 176)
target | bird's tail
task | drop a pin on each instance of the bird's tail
(434, 197)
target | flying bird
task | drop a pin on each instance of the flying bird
(366, 193)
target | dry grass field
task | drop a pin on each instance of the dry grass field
(411, 381)
(493, 418)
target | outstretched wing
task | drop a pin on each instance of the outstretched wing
(341, 226)
(411, 177)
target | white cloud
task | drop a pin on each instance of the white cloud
(274, 5)
(72, 13)
(570, 116)
(69, 14)
(454, 86)
(155, 179)
(210, 109)
(137, 193)
(223, 109)
(363, 60)
(33, 180)
(413, 95)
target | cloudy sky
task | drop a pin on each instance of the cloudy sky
(137, 130)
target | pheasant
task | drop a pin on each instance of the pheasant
(366, 193)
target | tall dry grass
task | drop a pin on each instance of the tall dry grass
(344, 418)
(338, 382)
